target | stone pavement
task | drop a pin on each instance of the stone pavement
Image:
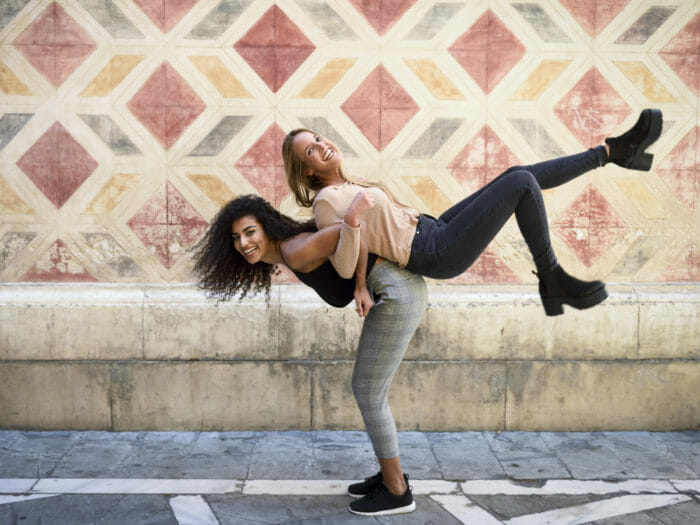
(300, 477)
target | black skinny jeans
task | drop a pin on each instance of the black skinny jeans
(445, 247)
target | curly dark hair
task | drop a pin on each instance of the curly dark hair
(221, 269)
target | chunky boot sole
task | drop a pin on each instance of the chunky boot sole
(640, 160)
(554, 305)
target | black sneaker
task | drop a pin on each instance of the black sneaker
(381, 502)
(357, 490)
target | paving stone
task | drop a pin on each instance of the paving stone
(34, 454)
(282, 455)
(417, 458)
(507, 507)
(525, 455)
(585, 455)
(79, 509)
(685, 446)
(343, 455)
(642, 454)
(93, 455)
(465, 455)
(682, 513)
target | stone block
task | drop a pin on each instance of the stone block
(669, 322)
(603, 395)
(55, 322)
(211, 396)
(510, 323)
(311, 329)
(480, 324)
(54, 396)
(180, 322)
(423, 396)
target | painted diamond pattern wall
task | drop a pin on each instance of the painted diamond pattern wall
(126, 124)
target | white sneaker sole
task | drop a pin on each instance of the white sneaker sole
(388, 512)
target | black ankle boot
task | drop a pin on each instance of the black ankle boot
(627, 150)
(558, 288)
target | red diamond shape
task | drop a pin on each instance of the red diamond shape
(589, 225)
(594, 18)
(55, 44)
(488, 268)
(592, 109)
(686, 268)
(683, 54)
(382, 14)
(274, 47)
(487, 51)
(57, 164)
(58, 264)
(681, 169)
(166, 105)
(165, 14)
(380, 107)
(485, 157)
(263, 167)
(167, 224)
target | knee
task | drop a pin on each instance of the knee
(523, 178)
(366, 395)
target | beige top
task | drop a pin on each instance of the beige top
(390, 228)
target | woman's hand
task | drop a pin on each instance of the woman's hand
(362, 202)
(363, 300)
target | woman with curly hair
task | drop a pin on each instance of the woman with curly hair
(238, 254)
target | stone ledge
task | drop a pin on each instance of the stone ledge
(177, 322)
(130, 357)
(209, 396)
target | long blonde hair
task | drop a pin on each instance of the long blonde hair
(306, 187)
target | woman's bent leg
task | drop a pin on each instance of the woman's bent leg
(386, 332)
(450, 247)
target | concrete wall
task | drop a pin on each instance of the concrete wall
(132, 357)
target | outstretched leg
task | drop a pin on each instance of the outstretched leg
(443, 250)
(627, 150)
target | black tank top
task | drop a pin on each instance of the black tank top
(330, 286)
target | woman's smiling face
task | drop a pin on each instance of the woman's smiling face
(318, 154)
(249, 239)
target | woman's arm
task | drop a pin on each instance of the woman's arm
(345, 258)
(363, 299)
(306, 252)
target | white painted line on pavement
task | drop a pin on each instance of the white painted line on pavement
(296, 487)
(599, 510)
(465, 510)
(434, 486)
(567, 486)
(16, 499)
(192, 510)
(136, 486)
(687, 485)
(16, 485)
(301, 487)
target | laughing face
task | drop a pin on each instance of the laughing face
(249, 239)
(319, 155)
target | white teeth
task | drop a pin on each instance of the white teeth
(328, 154)
(248, 252)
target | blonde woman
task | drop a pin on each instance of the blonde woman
(445, 247)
